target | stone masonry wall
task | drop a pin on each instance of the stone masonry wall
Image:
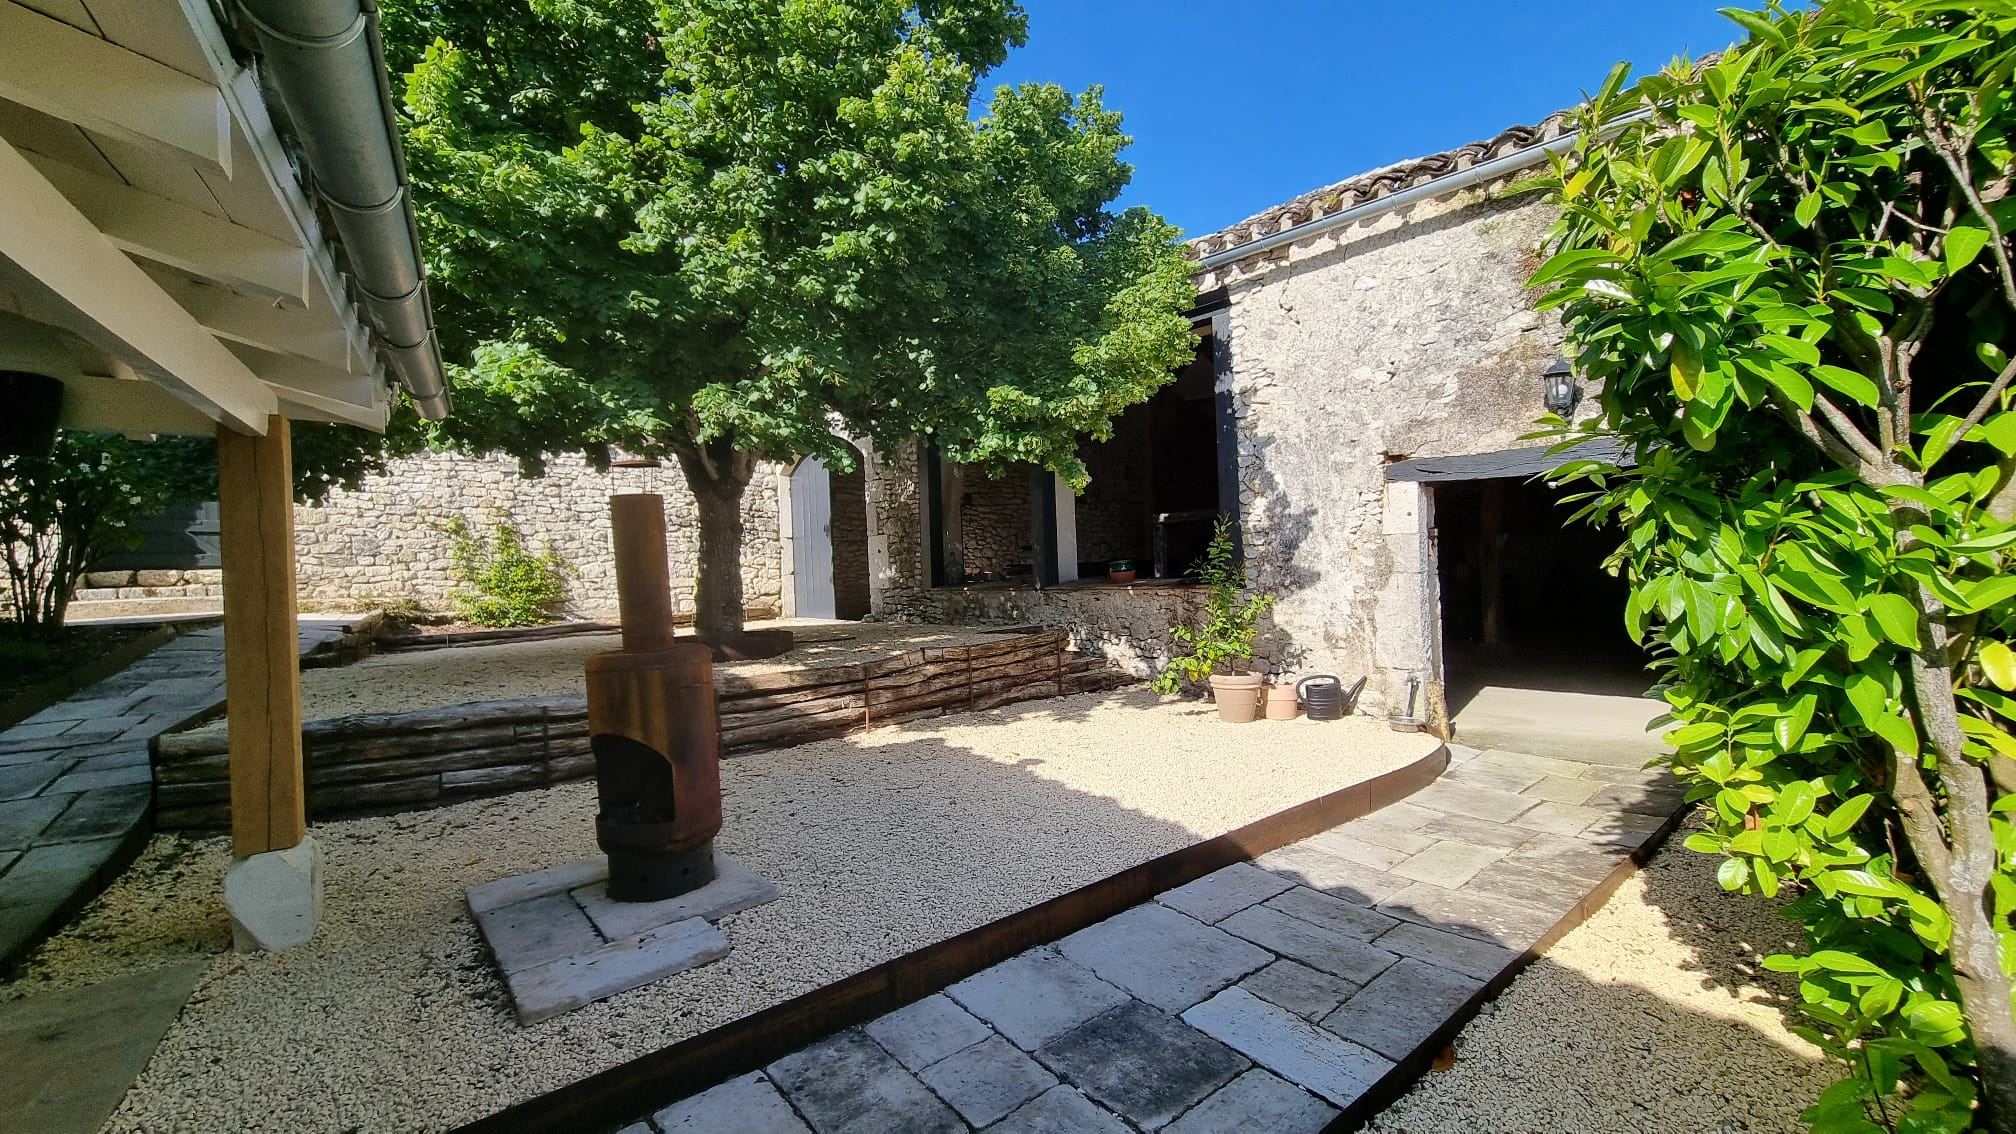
(383, 543)
(1411, 336)
(994, 518)
(849, 528)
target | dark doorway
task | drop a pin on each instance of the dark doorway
(1154, 492)
(1526, 602)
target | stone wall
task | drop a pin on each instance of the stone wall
(1410, 336)
(897, 585)
(1112, 514)
(383, 543)
(1129, 626)
(994, 519)
(849, 528)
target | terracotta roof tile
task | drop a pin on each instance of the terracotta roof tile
(1377, 183)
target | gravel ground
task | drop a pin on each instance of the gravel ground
(425, 679)
(1653, 1015)
(393, 1018)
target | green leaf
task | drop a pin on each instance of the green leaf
(1733, 873)
(1897, 618)
(1834, 960)
(1998, 661)
(1963, 243)
(1848, 382)
(1843, 818)
(1807, 209)
(1759, 26)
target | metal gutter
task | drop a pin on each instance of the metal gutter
(1448, 183)
(328, 63)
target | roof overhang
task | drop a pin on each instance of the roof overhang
(159, 253)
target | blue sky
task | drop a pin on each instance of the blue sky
(1235, 107)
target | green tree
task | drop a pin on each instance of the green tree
(715, 230)
(1793, 280)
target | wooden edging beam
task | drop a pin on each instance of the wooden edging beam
(618, 1095)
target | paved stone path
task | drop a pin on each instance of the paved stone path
(76, 790)
(1272, 995)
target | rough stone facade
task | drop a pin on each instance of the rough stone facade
(383, 543)
(1411, 336)
(1408, 335)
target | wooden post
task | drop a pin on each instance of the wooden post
(262, 657)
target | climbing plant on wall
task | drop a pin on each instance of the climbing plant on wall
(1794, 281)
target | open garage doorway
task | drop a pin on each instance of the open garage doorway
(1532, 625)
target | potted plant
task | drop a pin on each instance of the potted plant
(1120, 570)
(1221, 644)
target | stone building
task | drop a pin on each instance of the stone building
(1368, 363)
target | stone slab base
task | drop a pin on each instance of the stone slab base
(562, 943)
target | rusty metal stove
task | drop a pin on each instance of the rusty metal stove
(653, 726)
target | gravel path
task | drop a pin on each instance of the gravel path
(424, 679)
(1653, 1016)
(393, 1018)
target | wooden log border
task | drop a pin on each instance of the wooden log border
(378, 762)
(611, 1098)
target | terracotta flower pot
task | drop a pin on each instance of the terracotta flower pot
(1121, 570)
(1279, 702)
(1238, 696)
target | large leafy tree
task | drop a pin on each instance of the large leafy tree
(716, 230)
(1794, 280)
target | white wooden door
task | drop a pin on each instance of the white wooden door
(812, 538)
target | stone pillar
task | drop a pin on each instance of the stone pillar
(1407, 638)
(1067, 531)
(274, 887)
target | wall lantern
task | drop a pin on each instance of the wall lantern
(1560, 394)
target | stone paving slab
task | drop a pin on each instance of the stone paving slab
(1309, 993)
(1061, 1110)
(1361, 973)
(1163, 957)
(1034, 997)
(988, 1081)
(561, 943)
(750, 1104)
(1222, 893)
(1321, 1061)
(1314, 945)
(542, 992)
(849, 1085)
(1142, 1064)
(70, 1056)
(923, 1033)
(1257, 1101)
(1399, 1011)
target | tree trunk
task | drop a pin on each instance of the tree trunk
(718, 475)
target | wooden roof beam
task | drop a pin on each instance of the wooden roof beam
(60, 261)
(166, 232)
(78, 77)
